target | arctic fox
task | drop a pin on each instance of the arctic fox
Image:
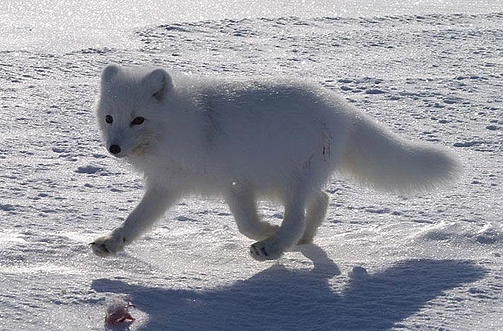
(242, 140)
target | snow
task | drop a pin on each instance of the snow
(430, 70)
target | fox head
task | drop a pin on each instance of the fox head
(127, 107)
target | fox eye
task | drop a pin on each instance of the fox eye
(138, 120)
(109, 119)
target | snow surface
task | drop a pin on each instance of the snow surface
(431, 70)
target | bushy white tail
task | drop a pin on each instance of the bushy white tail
(378, 158)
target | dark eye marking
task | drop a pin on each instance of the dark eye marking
(138, 120)
(109, 119)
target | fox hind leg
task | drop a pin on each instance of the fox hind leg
(243, 205)
(285, 237)
(315, 214)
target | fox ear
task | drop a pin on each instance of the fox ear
(109, 73)
(158, 83)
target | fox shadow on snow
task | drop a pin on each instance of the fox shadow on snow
(282, 299)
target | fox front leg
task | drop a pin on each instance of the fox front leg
(151, 207)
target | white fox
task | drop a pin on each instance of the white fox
(242, 140)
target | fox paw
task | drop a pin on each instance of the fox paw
(108, 245)
(265, 250)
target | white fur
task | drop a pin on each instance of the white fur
(249, 139)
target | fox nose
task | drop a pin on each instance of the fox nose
(115, 149)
